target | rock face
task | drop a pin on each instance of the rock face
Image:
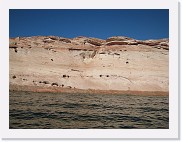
(119, 38)
(117, 63)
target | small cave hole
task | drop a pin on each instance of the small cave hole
(14, 76)
(46, 82)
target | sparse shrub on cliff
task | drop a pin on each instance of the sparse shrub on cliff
(12, 44)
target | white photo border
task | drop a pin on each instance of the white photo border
(171, 133)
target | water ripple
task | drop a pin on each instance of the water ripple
(83, 111)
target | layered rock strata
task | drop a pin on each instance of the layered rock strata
(119, 64)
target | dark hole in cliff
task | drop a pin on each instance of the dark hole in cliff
(68, 76)
(125, 50)
(16, 50)
(64, 75)
(62, 85)
(107, 75)
(51, 59)
(100, 75)
(54, 84)
(14, 76)
(127, 62)
(45, 82)
(116, 54)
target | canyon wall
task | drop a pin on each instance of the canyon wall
(117, 63)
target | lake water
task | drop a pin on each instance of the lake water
(91, 111)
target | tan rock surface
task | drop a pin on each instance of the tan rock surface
(88, 63)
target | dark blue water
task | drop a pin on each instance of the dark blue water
(91, 111)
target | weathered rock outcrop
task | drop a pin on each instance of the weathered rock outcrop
(94, 41)
(65, 40)
(117, 43)
(118, 38)
(117, 63)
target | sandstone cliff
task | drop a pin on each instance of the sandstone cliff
(117, 63)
